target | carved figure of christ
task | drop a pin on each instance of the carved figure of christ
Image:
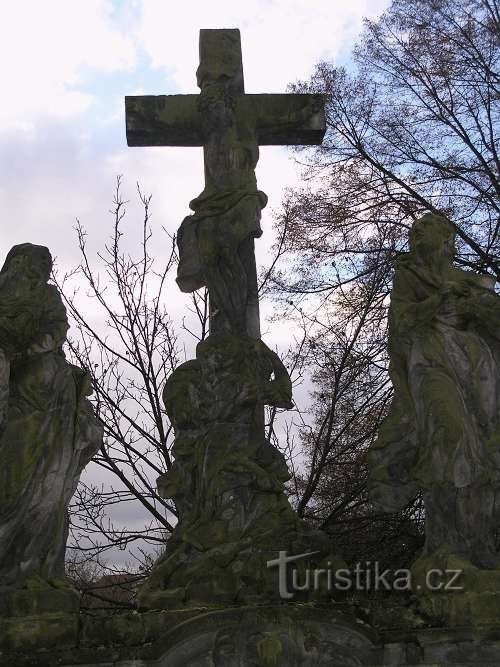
(216, 243)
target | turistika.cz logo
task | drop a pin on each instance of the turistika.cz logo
(363, 577)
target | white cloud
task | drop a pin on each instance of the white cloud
(281, 39)
(44, 45)
(53, 169)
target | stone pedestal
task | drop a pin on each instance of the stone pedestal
(270, 637)
(287, 635)
(228, 483)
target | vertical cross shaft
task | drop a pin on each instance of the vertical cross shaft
(230, 155)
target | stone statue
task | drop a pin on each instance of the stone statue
(442, 433)
(48, 431)
(213, 244)
(227, 479)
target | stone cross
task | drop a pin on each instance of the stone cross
(227, 479)
(216, 244)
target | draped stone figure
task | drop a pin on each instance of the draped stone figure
(442, 433)
(216, 242)
(48, 431)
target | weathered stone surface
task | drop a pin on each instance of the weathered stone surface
(37, 597)
(282, 636)
(474, 599)
(294, 635)
(442, 434)
(270, 637)
(227, 480)
(217, 251)
(175, 120)
(48, 433)
(29, 634)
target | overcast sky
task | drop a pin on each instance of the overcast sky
(65, 67)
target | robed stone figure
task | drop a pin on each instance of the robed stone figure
(442, 433)
(48, 431)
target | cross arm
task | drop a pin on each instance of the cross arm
(291, 119)
(174, 120)
(163, 120)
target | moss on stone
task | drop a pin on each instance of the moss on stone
(25, 633)
(270, 650)
(440, 435)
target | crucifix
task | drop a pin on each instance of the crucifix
(216, 242)
(227, 478)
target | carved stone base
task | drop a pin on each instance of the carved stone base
(296, 635)
(270, 637)
(237, 573)
(228, 482)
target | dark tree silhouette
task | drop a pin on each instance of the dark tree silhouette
(412, 128)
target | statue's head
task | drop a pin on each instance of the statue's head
(431, 236)
(34, 261)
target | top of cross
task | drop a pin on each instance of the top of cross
(176, 120)
(216, 243)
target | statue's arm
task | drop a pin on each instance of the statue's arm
(410, 307)
(53, 323)
(482, 311)
(257, 387)
(278, 392)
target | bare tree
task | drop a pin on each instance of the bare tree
(413, 128)
(122, 332)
